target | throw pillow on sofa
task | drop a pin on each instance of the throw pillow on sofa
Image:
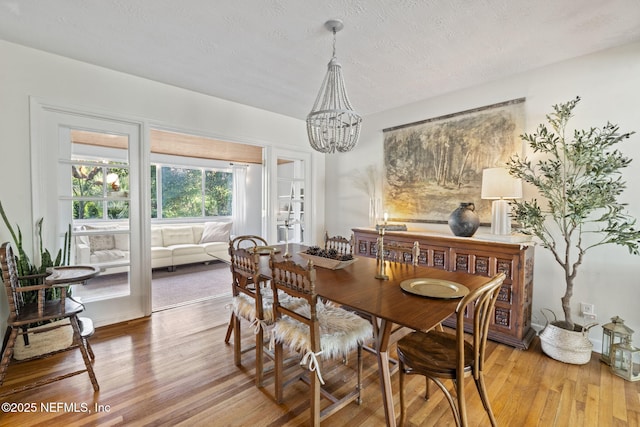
(101, 242)
(216, 232)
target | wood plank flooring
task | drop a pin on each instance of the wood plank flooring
(173, 369)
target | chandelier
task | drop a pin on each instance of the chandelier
(332, 124)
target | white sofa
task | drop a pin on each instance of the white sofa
(107, 246)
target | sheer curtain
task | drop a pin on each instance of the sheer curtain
(239, 209)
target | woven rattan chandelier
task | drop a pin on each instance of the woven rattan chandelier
(332, 125)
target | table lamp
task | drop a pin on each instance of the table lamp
(499, 186)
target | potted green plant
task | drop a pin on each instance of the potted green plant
(29, 272)
(579, 176)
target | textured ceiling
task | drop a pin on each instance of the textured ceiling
(272, 54)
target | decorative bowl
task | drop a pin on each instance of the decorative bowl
(332, 264)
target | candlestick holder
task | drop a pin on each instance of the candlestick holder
(286, 240)
(381, 269)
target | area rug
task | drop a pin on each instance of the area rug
(44, 342)
(188, 283)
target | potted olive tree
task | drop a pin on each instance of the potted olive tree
(579, 176)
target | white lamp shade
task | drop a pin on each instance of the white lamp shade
(498, 184)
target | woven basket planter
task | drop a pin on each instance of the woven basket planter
(564, 345)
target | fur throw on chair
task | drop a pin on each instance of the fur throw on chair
(340, 331)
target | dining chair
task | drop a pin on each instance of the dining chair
(252, 300)
(344, 246)
(402, 253)
(318, 331)
(440, 355)
(23, 315)
(341, 245)
(245, 241)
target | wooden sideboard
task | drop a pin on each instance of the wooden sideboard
(511, 322)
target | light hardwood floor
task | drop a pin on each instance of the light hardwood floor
(174, 369)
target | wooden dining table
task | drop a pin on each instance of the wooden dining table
(385, 302)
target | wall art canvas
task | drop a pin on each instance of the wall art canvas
(432, 166)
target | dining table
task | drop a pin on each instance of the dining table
(384, 301)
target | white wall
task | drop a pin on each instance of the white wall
(254, 199)
(26, 73)
(609, 85)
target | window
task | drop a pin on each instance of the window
(185, 192)
(218, 193)
(100, 191)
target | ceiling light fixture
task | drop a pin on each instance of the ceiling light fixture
(332, 124)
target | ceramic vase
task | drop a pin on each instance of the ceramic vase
(464, 221)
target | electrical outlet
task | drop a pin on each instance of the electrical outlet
(587, 310)
(590, 317)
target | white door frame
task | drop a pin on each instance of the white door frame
(271, 191)
(47, 120)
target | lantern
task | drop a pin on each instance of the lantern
(625, 360)
(613, 333)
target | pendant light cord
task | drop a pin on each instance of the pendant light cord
(334, 42)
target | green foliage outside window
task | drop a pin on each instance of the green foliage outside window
(181, 192)
(154, 191)
(86, 182)
(184, 192)
(218, 193)
(89, 186)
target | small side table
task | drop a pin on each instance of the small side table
(67, 274)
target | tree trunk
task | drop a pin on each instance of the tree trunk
(566, 303)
